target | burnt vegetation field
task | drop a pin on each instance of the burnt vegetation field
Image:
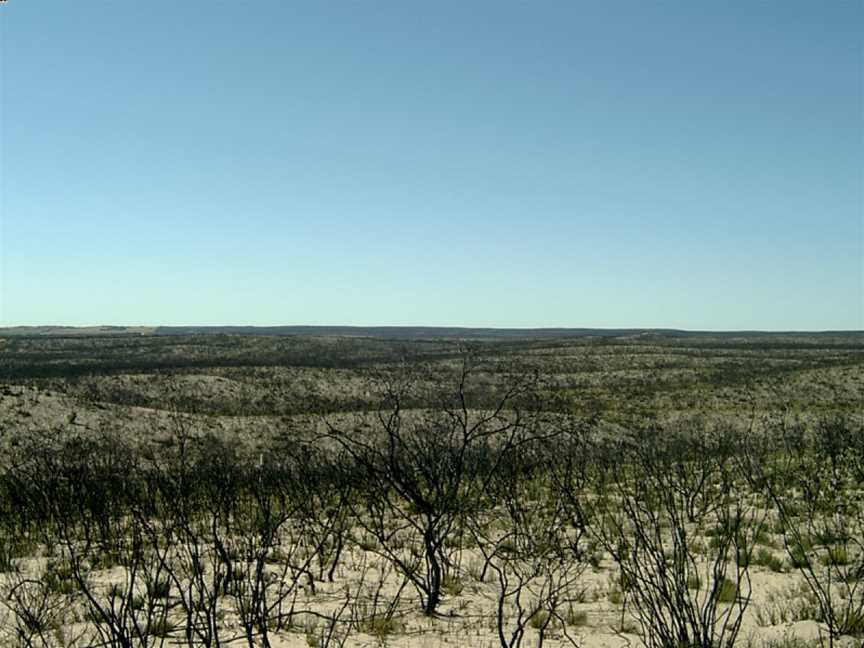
(411, 487)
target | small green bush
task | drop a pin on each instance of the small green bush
(853, 623)
(379, 626)
(162, 628)
(451, 585)
(576, 618)
(766, 558)
(60, 579)
(835, 556)
(727, 591)
(539, 619)
(159, 588)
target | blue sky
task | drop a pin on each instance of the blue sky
(483, 163)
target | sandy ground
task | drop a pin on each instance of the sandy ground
(467, 619)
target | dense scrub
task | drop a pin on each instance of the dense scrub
(201, 539)
(201, 489)
(623, 377)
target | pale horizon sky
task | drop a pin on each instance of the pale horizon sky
(609, 164)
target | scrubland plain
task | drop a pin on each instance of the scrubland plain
(431, 488)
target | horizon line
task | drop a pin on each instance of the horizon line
(671, 329)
